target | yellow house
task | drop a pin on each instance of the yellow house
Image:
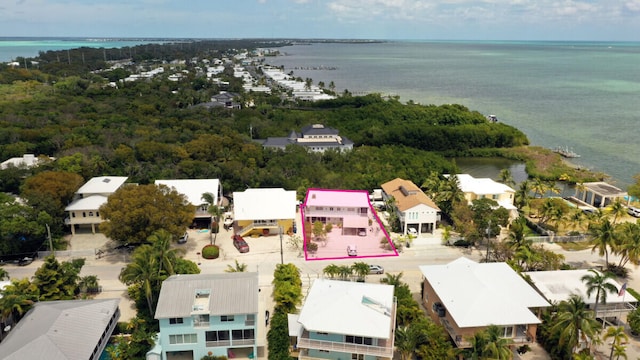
(481, 188)
(84, 209)
(264, 211)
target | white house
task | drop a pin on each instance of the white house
(346, 320)
(466, 297)
(264, 211)
(193, 189)
(414, 208)
(316, 138)
(27, 161)
(84, 209)
(480, 188)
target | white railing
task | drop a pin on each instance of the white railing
(305, 343)
(218, 343)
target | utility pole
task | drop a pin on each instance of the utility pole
(488, 240)
(281, 250)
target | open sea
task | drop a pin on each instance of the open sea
(581, 95)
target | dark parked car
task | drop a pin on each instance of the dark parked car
(240, 244)
(25, 261)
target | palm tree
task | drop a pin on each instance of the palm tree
(237, 268)
(522, 194)
(496, 346)
(506, 177)
(344, 271)
(539, 187)
(628, 243)
(142, 270)
(604, 237)
(574, 323)
(161, 244)
(407, 339)
(391, 279)
(331, 270)
(215, 212)
(361, 269)
(616, 209)
(620, 351)
(88, 283)
(598, 282)
(617, 334)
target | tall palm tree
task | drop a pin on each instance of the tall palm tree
(574, 323)
(506, 177)
(522, 194)
(628, 243)
(344, 271)
(539, 187)
(620, 351)
(598, 282)
(604, 237)
(496, 346)
(616, 209)
(617, 334)
(143, 270)
(161, 245)
(391, 279)
(215, 211)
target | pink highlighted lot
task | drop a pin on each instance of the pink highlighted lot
(338, 224)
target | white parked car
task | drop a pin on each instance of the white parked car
(633, 211)
(376, 269)
(352, 250)
(412, 232)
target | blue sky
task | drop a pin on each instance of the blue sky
(344, 19)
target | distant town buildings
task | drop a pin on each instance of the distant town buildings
(27, 161)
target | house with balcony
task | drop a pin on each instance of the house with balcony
(62, 330)
(264, 211)
(466, 297)
(208, 314)
(559, 285)
(193, 189)
(415, 210)
(600, 194)
(346, 320)
(349, 210)
(84, 209)
(316, 138)
(480, 188)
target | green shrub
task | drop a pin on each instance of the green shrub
(633, 293)
(633, 319)
(210, 252)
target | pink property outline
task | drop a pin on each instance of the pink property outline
(375, 214)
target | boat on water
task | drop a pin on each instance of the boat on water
(566, 152)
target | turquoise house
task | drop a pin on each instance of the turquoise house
(210, 314)
(345, 320)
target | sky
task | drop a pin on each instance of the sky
(597, 20)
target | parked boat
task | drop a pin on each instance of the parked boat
(566, 152)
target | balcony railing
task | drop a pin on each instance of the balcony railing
(258, 226)
(616, 310)
(243, 342)
(231, 342)
(218, 343)
(384, 351)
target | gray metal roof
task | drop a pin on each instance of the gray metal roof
(59, 330)
(230, 294)
(318, 129)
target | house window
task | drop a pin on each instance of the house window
(251, 320)
(226, 318)
(73, 214)
(246, 334)
(90, 213)
(322, 333)
(183, 339)
(201, 320)
(358, 340)
(84, 214)
(220, 335)
(495, 197)
(97, 213)
(174, 321)
(507, 331)
(357, 357)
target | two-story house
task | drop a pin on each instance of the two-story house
(480, 188)
(193, 189)
(84, 209)
(346, 320)
(316, 138)
(466, 297)
(264, 211)
(208, 314)
(350, 210)
(414, 208)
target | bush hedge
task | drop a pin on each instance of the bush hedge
(210, 252)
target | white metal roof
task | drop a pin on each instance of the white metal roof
(483, 294)
(59, 330)
(481, 186)
(229, 294)
(345, 198)
(194, 188)
(558, 285)
(92, 202)
(343, 307)
(102, 185)
(263, 204)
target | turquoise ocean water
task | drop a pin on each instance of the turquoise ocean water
(11, 48)
(580, 95)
